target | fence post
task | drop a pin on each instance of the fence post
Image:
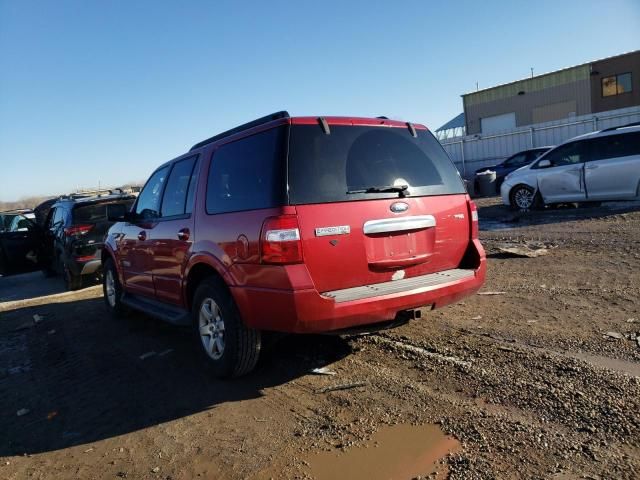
(531, 137)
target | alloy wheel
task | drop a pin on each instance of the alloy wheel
(110, 288)
(523, 198)
(211, 327)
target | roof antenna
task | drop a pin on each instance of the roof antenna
(412, 129)
(325, 126)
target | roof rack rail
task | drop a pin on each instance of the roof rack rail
(610, 129)
(240, 128)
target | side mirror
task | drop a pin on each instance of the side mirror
(117, 212)
(544, 164)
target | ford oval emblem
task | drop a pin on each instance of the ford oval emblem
(399, 207)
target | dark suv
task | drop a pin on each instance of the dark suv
(511, 164)
(300, 224)
(74, 231)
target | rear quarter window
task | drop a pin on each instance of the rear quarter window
(616, 146)
(248, 174)
(323, 168)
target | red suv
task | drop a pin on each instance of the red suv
(295, 224)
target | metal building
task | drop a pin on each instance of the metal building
(544, 109)
(607, 84)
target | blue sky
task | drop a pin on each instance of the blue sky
(104, 91)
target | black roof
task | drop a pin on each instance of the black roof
(95, 198)
(16, 211)
(240, 128)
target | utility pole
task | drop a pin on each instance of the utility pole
(531, 72)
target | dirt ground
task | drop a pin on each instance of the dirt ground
(541, 380)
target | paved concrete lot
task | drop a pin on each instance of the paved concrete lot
(28, 286)
(538, 379)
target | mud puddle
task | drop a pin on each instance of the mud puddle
(400, 452)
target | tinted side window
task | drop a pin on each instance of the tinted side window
(534, 155)
(248, 174)
(51, 218)
(569, 154)
(175, 195)
(58, 217)
(614, 146)
(193, 184)
(148, 205)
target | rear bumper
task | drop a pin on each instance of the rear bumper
(308, 311)
(85, 266)
(92, 266)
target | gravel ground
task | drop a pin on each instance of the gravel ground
(541, 380)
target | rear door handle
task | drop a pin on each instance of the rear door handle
(183, 234)
(142, 236)
(591, 167)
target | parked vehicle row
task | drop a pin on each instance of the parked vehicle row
(73, 236)
(296, 225)
(61, 236)
(595, 167)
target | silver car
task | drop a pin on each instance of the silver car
(594, 167)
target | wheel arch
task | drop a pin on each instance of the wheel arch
(107, 253)
(538, 200)
(198, 272)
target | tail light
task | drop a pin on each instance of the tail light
(78, 230)
(473, 214)
(280, 240)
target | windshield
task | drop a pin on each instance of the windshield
(356, 163)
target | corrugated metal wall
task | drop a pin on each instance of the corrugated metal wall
(523, 96)
(480, 151)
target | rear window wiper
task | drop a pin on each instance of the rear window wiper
(401, 189)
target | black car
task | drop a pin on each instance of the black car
(7, 217)
(511, 164)
(74, 231)
(19, 242)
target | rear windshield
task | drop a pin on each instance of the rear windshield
(95, 212)
(323, 168)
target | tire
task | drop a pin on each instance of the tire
(71, 281)
(112, 292)
(523, 197)
(235, 350)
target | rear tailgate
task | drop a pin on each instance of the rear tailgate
(431, 236)
(352, 237)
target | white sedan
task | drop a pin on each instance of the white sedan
(595, 167)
